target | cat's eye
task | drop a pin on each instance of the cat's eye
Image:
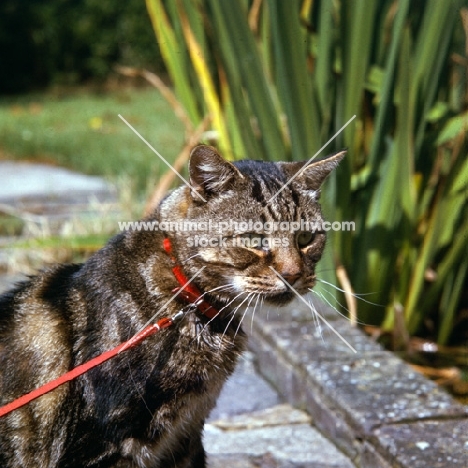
(252, 240)
(304, 238)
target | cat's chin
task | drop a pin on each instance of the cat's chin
(279, 299)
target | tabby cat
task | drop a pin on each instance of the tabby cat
(147, 406)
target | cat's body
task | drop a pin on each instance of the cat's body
(146, 407)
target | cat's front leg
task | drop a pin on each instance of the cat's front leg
(185, 453)
(196, 457)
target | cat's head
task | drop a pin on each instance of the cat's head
(253, 225)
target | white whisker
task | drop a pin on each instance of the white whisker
(259, 296)
(219, 288)
(315, 318)
(245, 312)
(190, 258)
(357, 296)
(219, 311)
(321, 295)
(233, 315)
(231, 301)
(333, 297)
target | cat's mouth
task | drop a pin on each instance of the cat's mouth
(279, 294)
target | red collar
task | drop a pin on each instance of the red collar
(189, 292)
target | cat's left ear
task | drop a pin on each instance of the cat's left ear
(312, 176)
(210, 174)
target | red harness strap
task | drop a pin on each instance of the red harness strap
(189, 292)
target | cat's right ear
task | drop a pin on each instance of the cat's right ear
(210, 174)
(311, 175)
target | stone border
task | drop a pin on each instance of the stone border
(373, 406)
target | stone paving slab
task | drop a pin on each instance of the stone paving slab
(25, 181)
(426, 444)
(292, 445)
(244, 393)
(352, 396)
(317, 342)
(377, 390)
(46, 196)
(250, 428)
(278, 415)
(349, 406)
(300, 311)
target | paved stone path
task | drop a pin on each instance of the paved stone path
(23, 181)
(250, 428)
(377, 409)
(47, 196)
(50, 200)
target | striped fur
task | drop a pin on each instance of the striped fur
(147, 406)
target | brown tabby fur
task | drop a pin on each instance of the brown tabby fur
(147, 406)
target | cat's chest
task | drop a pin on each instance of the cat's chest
(190, 358)
(199, 357)
(174, 421)
(183, 386)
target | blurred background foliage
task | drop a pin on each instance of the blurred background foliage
(278, 79)
(68, 42)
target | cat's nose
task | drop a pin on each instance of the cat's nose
(291, 278)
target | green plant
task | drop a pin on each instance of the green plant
(280, 78)
(82, 131)
(68, 41)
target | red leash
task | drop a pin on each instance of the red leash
(80, 370)
(187, 291)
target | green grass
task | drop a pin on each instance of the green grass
(81, 130)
